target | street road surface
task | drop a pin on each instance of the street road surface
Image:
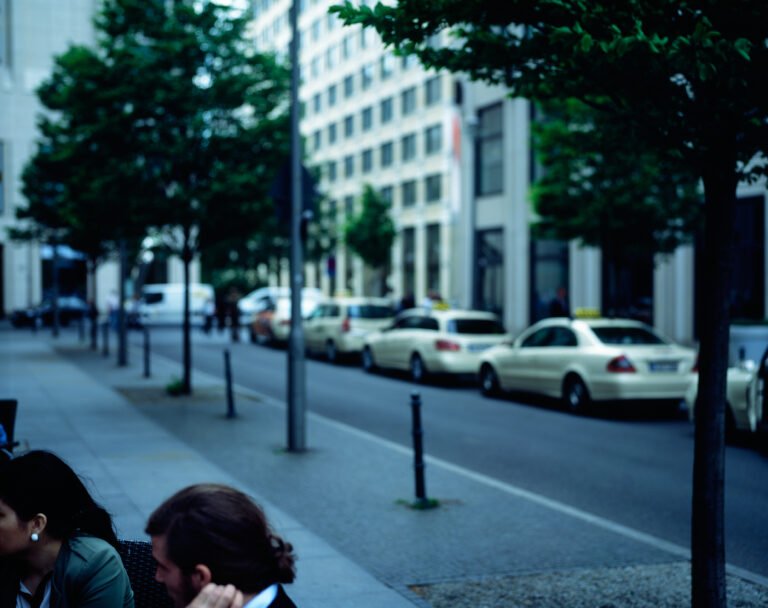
(629, 467)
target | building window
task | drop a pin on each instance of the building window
(331, 95)
(2, 177)
(386, 66)
(433, 185)
(332, 133)
(387, 156)
(408, 101)
(433, 139)
(349, 126)
(349, 166)
(314, 67)
(410, 61)
(366, 76)
(386, 110)
(409, 262)
(331, 170)
(489, 281)
(317, 140)
(409, 193)
(316, 30)
(433, 90)
(408, 147)
(349, 86)
(367, 118)
(347, 46)
(331, 57)
(433, 258)
(316, 104)
(387, 194)
(367, 161)
(349, 207)
(489, 172)
(5, 34)
(549, 272)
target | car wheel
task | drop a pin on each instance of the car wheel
(369, 364)
(418, 371)
(489, 381)
(330, 351)
(575, 394)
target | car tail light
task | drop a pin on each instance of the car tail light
(620, 365)
(447, 345)
(345, 327)
(695, 368)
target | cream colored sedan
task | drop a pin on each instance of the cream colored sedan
(425, 342)
(584, 360)
(338, 326)
(745, 394)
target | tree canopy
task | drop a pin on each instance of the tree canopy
(687, 79)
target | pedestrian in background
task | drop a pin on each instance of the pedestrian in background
(57, 545)
(211, 534)
(559, 306)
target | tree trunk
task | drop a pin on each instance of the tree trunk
(186, 257)
(93, 314)
(122, 326)
(707, 528)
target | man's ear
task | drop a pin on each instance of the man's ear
(200, 577)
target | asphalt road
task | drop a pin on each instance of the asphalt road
(631, 466)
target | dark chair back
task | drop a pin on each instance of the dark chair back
(141, 566)
(8, 409)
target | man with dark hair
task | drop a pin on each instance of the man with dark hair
(210, 533)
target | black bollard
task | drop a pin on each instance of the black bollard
(146, 352)
(418, 449)
(81, 328)
(228, 377)
(105, 338)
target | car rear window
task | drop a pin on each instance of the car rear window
(626, 335)
(153, 298)
(474, 326)
(370, 311)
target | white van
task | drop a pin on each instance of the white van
(163, 303)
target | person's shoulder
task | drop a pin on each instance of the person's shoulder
(89, 553)
(282, 600)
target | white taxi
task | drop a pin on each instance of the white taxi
(338, 326)
(584, 360)
(425, 342)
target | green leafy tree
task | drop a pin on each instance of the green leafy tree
(602, 186)
(208, 122)
(371, 233)
(689, 80)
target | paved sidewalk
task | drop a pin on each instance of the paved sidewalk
(133, 463)
(488, 540)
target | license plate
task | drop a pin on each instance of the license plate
(478, 348)
(663, 366)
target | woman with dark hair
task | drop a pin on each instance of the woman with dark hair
(57, 545)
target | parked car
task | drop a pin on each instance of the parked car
(271, 322)
(338, 326)
(584, 360)
(425, 342)
(258, 299)
(163, 304)
(71, 308)
(745, 395)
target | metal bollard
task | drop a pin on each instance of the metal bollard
(146, 352)
(81, 328)
(418, 448)
(105, 338)
(228, 377)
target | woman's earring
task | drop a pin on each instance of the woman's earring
(35, 537)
